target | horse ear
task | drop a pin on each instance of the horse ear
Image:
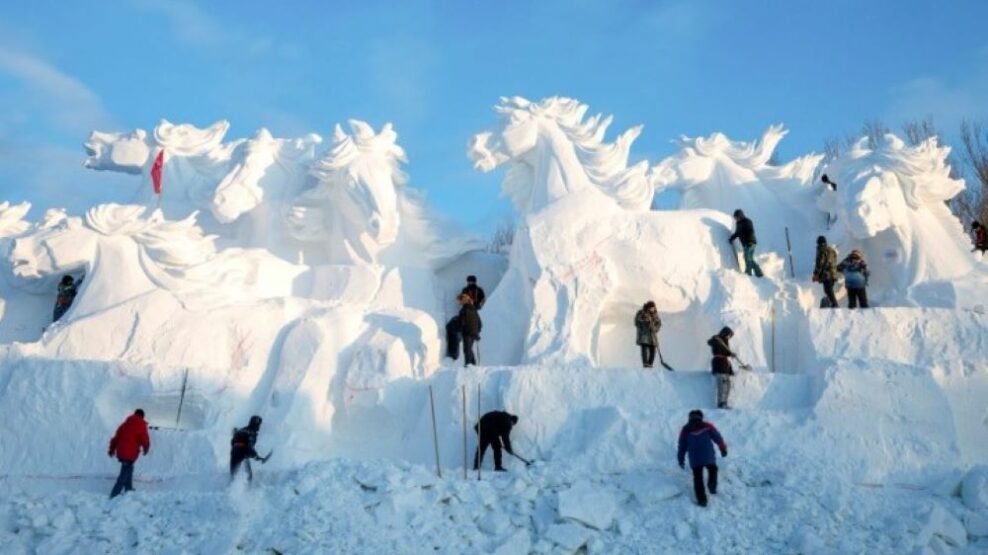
(361, 129)
(339, 135)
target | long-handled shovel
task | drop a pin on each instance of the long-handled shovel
(658, 349)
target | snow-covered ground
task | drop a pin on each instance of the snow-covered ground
(312, 288)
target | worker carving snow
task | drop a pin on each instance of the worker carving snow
(647, 325)
(697, 438)
(856, 274)
(720, 364)
(470, 326)
(67, 290)
(242, 448)
(745, 233)
(494, 430)
(131, 438)
(475, 292)
(825, 270)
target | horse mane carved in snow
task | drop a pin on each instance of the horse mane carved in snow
(360, 209)
(125, 254)
(890, 202)
(553, 150)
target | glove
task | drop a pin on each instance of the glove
(109, 453)
(815, 278)
(723, 452)
(145, 452)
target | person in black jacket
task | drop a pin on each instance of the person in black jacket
(475, 291)
(494, 429)
(242, 448)
(745, 232)
(470, 325)
(720, 364)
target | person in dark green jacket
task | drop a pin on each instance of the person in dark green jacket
(647, 324)
(825, 270)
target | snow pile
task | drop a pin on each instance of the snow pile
(343, 506)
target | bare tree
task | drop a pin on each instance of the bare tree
(502, 238)
(918, 130)
(973, 204)
(875, 129)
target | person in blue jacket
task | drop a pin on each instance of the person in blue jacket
(698, 438)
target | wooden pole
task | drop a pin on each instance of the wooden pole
(463, 395)
(181, 399)
(773, 337)
(479, 433)
(792, 267)
(435, 435)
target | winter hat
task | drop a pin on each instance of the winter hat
(471, 279)
(738, 213)
(649, 304)
(726, 332)
(67, 280)
(975, 224)
(821, 240)
(857, 254)
(255, 422)
(696, 414)
(514, 419)
(139, 412)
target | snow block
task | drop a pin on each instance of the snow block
(974, 488)
(568, 535)
(976, 524)
(939, 525)
(591, 505)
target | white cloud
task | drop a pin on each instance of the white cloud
(948, 100)
(57, 96)
(190, 24)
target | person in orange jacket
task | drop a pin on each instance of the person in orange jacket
(127, 443)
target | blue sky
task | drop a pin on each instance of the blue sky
(435, 69)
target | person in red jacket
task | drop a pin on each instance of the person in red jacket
(127, 443)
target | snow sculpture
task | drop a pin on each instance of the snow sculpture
(12, 218)
(124, 255)
(890, 203)
(588, 253)
(247, 179)
(554, 151)
(360, 211)
(720, 174)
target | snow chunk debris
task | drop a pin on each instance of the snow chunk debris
(567, 535)
(974, 488)
(591, 505)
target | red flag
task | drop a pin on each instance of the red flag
(159, 162)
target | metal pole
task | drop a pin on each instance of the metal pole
(792, 268)
(181, 399)
(435, 436)
(479, 433)
(463, 395)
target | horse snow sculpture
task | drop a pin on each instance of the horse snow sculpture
(22, 314)
(125, 255)
(556, 151)
(360, 210)
(890, 203)
(579, 268)
(246, 181)
(720, 174)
